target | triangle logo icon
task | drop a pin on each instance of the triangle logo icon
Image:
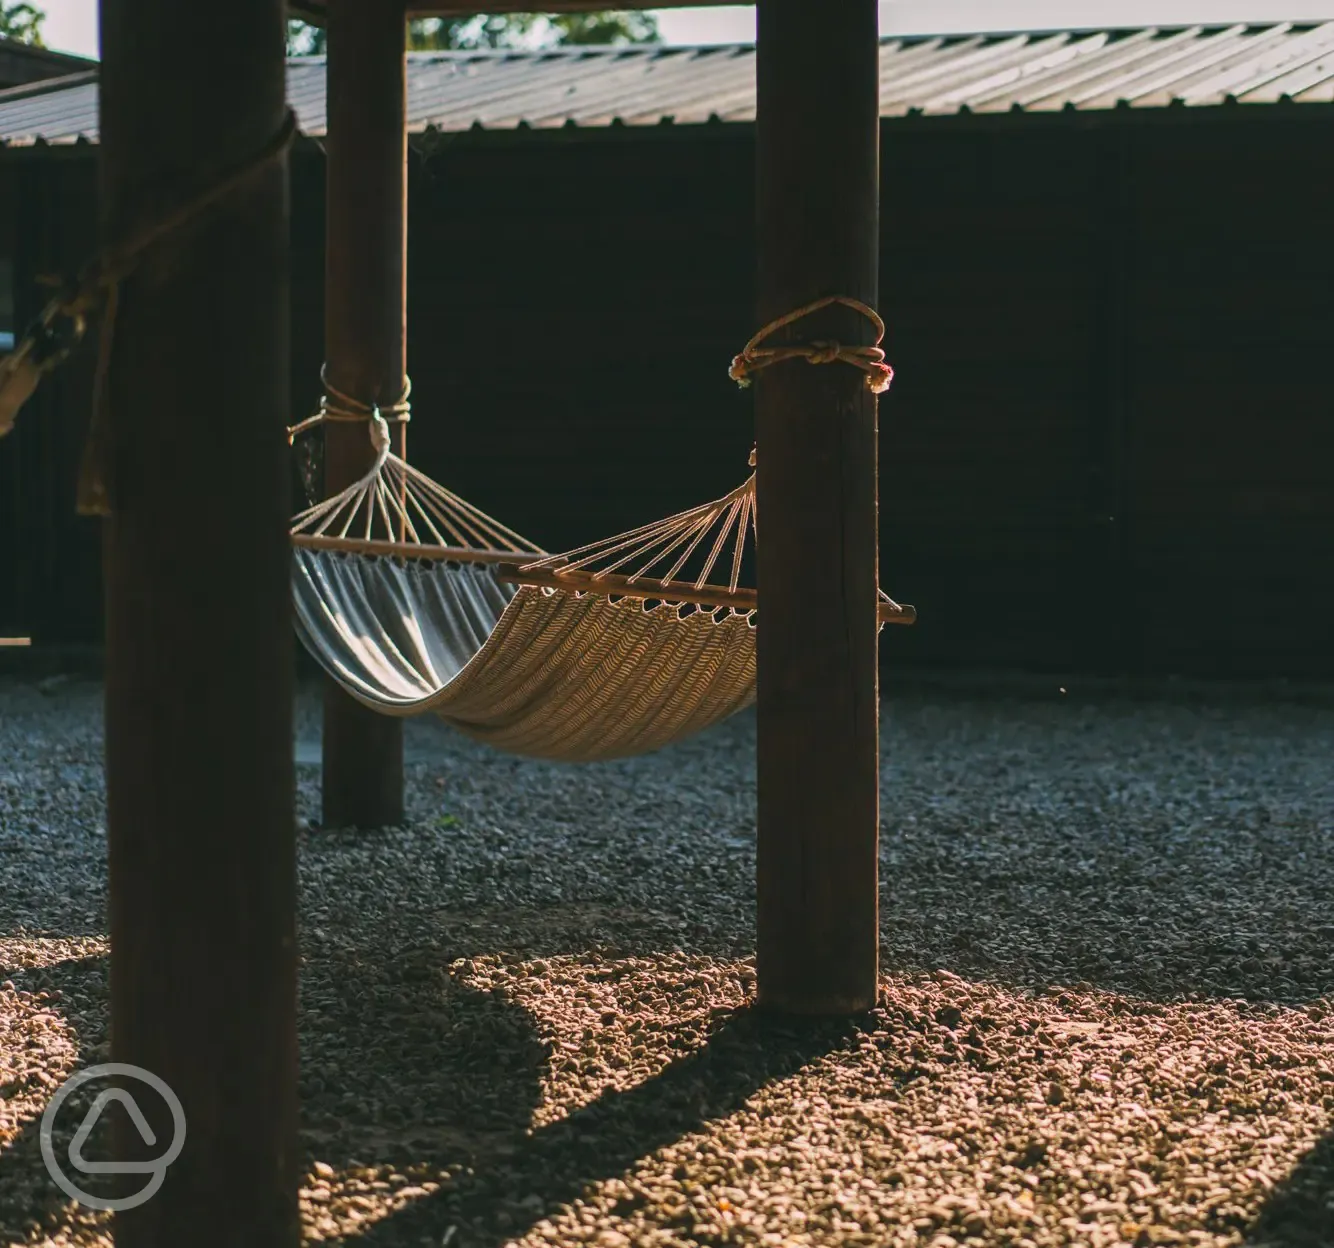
(76, 1145)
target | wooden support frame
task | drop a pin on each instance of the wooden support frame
(575, 581)
(404, 550)
(365, 343)
(649, 590)
(199, 656)
(817, 183)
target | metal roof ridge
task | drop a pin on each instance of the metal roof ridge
(47, 86)
(594, 87)
(1111, 28)
(562, 51)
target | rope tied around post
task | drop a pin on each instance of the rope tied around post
(870, 359)
(336, 406)
(97, 288)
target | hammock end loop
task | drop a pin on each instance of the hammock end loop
(878, 378)
(379, 431)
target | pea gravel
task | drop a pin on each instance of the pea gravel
(1105, 1020)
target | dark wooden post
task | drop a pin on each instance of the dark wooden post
(365, 340)
(818, 697)
(199, 664)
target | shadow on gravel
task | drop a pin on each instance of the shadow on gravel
(512, 1191)
(1300, 1213)
(28, 1196)
(402, 1063)
(410, 1066)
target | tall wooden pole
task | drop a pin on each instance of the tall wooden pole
(199, 663)
(818, 695)
(365, 340)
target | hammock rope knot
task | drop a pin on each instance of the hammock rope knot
(869, 359)
(825, 352)
(336, 406)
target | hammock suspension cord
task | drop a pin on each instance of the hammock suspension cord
(431, 522)
(671, 559)
(337, 406)
(631, 563)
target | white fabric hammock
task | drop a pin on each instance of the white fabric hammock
(422, 618)
(534, 671)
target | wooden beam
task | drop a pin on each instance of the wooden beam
(199, 658)
(406, 550)
(365, 341)
(818, 698)
(646, 589)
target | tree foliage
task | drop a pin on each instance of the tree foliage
(22, 21)
(513, 30)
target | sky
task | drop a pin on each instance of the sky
(71, 25)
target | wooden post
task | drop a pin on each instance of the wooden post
(365, 341)
(818, 696)
(199, 661)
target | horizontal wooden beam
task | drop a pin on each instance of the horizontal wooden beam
(406, 550)
(649, 589)
(509, 569)
(582, 582)
(314, 10)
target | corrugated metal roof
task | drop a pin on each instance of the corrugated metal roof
(1036, 72)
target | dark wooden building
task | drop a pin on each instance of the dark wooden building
(1107, 270)
(22, 63)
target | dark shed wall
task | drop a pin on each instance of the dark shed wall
(989, 284)
(12, 615)
(1109, 432)
(1109, 443)
(51, 559)
(571, 317)
(22, 63)
(1230, 448)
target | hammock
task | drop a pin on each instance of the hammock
(595, 654)
(413, 600)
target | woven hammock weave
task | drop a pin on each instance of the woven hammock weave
(543, 673)
(415, 601)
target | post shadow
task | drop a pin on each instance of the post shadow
(550, 1167)
(454, 1075)
(22, 1168)
(1300, 1212)
(466, 1098)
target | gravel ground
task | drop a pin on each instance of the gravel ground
(1106, 1015)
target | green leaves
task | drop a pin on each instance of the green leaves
(489, 30)
(22, 21)
(531, 30)
(606, 28)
